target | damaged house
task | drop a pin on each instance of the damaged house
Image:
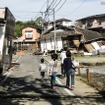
(76, 39)
(93, 42)
(94, 23)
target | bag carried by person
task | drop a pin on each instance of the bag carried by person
(49, 71)
(75, 64)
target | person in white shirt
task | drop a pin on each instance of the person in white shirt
(42, 69)
(62, 57)
(53, 66)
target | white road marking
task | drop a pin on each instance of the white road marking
(68, 91)
(18, 59)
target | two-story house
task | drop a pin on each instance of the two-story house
(62, 21)
(77, 39)
(29, 39)
(72, 37)
(95, 23)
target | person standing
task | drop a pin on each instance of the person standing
(69, 71)
(62, 57)
(53, 66)
(42, 69)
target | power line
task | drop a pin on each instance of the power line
(61, 6)
(50, 7)
(57, 4)
(78, 7)
(40, 10)
(51, 4)
(47, 11)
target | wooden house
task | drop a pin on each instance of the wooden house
(72, 37)
(29, 39)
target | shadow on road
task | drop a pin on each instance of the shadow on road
(17, 90)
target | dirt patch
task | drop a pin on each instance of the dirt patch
(21, 53)
(96, 80)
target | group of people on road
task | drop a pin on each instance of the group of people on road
(51, 70)
(68, 66)
(68, 70)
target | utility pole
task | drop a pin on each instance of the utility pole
(54, 30)
(47, 12)
(42, 22)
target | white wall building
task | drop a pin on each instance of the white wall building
(62, 21)
(48, 44)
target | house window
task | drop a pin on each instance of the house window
(89, 23)
(29, 34)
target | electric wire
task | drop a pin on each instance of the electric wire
(49, 8)
(78, 7)
(57, 4)
(41, 9)
(59, 7)
(51, 4)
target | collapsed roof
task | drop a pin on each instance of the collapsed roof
(64, 31)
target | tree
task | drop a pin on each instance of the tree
(39, 22)
(19, 25)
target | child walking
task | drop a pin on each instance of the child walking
(53, 66)
(70, 72)
(42, 69)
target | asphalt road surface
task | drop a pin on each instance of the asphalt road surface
(23, 87)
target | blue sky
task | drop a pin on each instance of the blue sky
(25, 10)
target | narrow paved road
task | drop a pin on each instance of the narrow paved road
(23, 87)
